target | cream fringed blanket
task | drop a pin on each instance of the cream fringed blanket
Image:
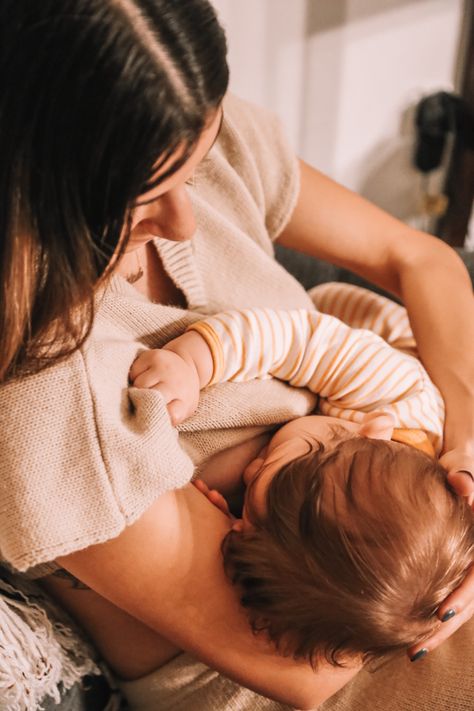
(39, 647)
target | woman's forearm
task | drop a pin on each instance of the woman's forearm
(130, 648)
(427, 274)
(438, 295)
(166, 570)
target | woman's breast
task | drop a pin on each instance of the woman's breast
(223, 470)
(239, 416)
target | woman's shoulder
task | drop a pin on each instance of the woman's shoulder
(253, 152)
(253, 128)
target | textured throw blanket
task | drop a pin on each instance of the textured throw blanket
(37, 651)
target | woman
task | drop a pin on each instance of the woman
(108, 110)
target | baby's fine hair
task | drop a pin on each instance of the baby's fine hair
(358, 547)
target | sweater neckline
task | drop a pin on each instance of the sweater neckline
(179, 261)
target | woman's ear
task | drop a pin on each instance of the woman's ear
(377, 425)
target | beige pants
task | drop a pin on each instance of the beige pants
(442, 681)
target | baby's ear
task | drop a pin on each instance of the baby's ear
(377, 425)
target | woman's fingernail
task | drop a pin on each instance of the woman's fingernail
(421, 653)
(447, 615)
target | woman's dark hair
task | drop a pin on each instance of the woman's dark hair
(92, 94)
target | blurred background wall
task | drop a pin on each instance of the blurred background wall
(345, 77)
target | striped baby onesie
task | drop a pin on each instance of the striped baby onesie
(356, 351)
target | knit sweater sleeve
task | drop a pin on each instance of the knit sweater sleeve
(82, 457)
(264, 159)
(352, 370)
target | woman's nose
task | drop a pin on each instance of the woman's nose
(171, 216)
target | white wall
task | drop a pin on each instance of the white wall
(344, 76)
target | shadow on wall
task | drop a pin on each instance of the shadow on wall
(385, 174)
(323, 16)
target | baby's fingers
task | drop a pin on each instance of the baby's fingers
(141, 363)
(201, 486)
(176, 411)
(453, 613)
(147, 379)
(216, 498)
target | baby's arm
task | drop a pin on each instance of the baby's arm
(352, 370)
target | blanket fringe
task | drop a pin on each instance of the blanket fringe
(36, 653)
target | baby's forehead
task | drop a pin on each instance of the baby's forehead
(352, 473)
(365, 473)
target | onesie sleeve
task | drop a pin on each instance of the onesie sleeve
(352, 370)
(83, 456)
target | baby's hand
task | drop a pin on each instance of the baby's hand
(174, 377)
(214, 496)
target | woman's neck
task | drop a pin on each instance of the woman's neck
(143, 268)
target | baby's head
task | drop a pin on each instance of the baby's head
(349, 541)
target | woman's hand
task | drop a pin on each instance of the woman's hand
(457, 609)
(459, 606)
(459, 463)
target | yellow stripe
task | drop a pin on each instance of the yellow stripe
(212, 339)
(272, 333)
(340, 303)
(309, 355)
(336, 383)
(390, 308)
(288, 374)
(334, 358)
(372, 375)
(262, 341)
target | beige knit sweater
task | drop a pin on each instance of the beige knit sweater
(83, 454)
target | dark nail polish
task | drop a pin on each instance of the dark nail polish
(447, 615)
(421, 653)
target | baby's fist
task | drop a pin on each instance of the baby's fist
(173, 377)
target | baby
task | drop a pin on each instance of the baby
(349, 538)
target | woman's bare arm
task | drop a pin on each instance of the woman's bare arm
(166, 570)
(130, 648)
(332, 223)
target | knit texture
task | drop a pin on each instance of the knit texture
(84, 454)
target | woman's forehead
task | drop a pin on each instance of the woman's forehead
(204, 144)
